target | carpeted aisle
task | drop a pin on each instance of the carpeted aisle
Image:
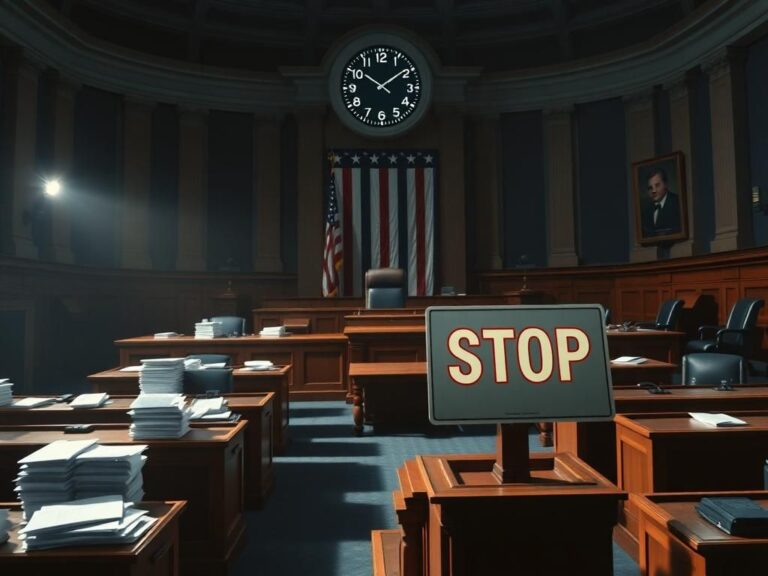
(333, 488)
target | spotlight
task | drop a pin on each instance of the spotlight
(52, 187)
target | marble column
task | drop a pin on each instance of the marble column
(63, 156)
(727, 102)
(641, 145)
(680, 111)
(561, 224)
(137, 175)
(193, 189)
(486, 182)
(311, 163)
(450, 250)
(25, 185)
(266, 195)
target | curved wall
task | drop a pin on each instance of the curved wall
(180, 168)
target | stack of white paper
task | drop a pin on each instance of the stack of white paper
(209, 409)
(165, 334)
(193, 364)
(205, 329)
(89, 400)
(628, 360)
(5, 525)
(161, 376)
(720, 420)
(104, 470)
(258, 364)
(159, 416)
(86, 522)
(273, 331)
(47, 475)
(33, 402)
(6, 392)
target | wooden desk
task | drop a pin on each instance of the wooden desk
(256, 409)
(327, 315)
(395, 392)
(656, 344)
(391, 319)
(595, 442)
(674, 453)
(319, 361)
(407, 343)
(626, 374)
(154, 554)
(675, 540)
(114, 382)
(456, 521)
(205, 467)
(388, 392)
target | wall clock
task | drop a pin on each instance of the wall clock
(380, 84)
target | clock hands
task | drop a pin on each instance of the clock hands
(383, 84)
(378, 85)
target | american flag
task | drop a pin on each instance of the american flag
(333, 254)
(386, 203)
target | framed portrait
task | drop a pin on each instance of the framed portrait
(660, 199)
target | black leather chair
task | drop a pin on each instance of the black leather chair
(232, 325)
(666, 319)
(733, 338)
(208, 380)
(711, 369)
(212, 358)
(385, 288)
(607, 316)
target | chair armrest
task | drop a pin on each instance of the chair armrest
(646, 325)
(739, 334)
(711, 330)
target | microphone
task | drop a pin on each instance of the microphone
(652, 388)
(724, 386)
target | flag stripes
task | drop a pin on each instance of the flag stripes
(386, 205)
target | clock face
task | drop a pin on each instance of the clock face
(381, 86)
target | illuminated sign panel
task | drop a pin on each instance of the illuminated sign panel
(517, 364)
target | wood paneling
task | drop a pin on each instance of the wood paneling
(709, 285)
(75, 313)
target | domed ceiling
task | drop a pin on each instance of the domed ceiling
(262, 35)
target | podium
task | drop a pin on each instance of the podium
(459, 518)
(508, 512)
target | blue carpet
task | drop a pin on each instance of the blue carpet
(333, 488)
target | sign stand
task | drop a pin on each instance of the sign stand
(512, 464)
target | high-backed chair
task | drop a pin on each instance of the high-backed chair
(233, 325)
(208, 380)
(212, 358)
(733, 338)
(607, 316)
(711, 369)
(666, 319)
(385, 288)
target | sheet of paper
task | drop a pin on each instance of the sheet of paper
(719, 420)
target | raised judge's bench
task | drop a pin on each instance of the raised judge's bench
(329, 315)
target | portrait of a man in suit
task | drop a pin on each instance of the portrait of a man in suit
(661, 215)
(658, 188)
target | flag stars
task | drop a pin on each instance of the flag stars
(374, 158)
(411, 158)
(335, 158)
(355, 159)
(428, 158)
(392, 158)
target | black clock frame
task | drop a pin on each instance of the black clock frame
(372, 41)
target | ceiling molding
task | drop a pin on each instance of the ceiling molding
(656, 62)
(48, 37)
